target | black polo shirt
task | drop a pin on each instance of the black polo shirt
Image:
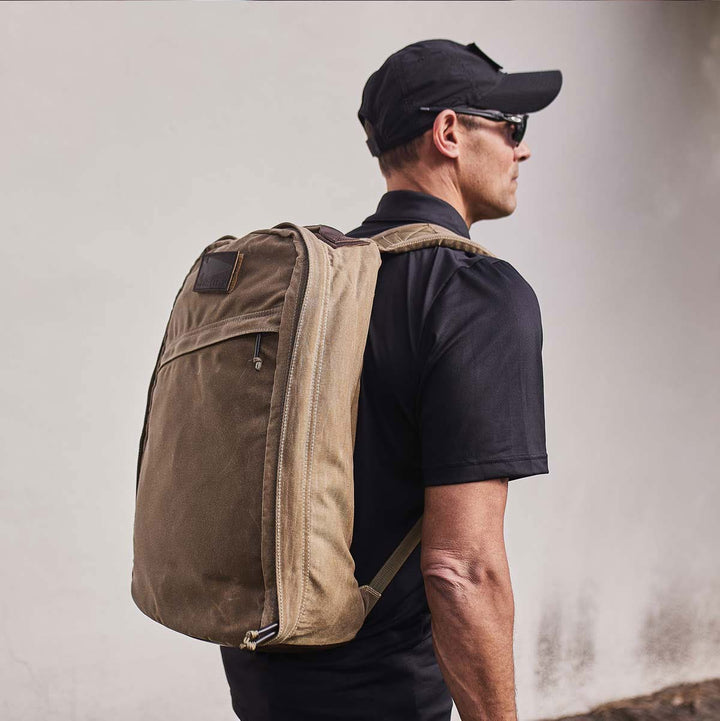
(451, 392)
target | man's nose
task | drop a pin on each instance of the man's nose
(522, 151)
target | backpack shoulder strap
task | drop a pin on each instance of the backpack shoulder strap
(413, 236)
(372, 591)
(402, 239)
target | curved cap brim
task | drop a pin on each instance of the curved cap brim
(524, 92)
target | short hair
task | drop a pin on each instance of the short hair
(401, 156)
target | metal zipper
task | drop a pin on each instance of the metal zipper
(257, 360)
(304, 276)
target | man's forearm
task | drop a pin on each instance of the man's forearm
(472, 626)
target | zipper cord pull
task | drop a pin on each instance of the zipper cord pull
(257, 360)
(248, 641)
(254, 638)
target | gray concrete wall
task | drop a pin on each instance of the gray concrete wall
(135, 133)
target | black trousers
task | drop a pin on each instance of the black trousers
(381, 678)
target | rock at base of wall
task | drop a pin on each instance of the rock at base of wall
(683, 702)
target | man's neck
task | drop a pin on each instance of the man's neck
(444, 191)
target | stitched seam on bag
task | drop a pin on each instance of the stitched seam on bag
(301, 322)
(369, 589)
(231, 319)
(310, 455)
(278, 489)
(175, 354)
(316, 396)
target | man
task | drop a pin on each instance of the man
(451, 408)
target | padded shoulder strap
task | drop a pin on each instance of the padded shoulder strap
(423, 235)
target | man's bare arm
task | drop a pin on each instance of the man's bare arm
(467, 582)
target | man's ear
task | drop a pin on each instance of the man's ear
(446, 133)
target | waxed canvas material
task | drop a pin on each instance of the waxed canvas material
(244, 503)
(198, 524)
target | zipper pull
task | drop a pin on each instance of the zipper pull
(257, 360)
(254, 638)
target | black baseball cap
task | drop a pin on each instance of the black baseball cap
(446, 73)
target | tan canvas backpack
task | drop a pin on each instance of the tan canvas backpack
(244, 492)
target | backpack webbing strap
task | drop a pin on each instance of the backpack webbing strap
(373, 590)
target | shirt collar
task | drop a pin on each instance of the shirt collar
(402, 207)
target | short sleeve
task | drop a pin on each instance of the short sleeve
(480, 385)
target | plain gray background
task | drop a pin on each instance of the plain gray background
(133, 134)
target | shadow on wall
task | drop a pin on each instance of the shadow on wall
(678, 635)
(557, 655)
(671, 634)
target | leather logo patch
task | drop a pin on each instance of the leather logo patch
(218, 272)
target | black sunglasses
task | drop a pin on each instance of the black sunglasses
(518, 122)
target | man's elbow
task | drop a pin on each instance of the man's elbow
(460, 578)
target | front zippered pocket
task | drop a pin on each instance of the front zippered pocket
(236, 331)
(254, 324)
